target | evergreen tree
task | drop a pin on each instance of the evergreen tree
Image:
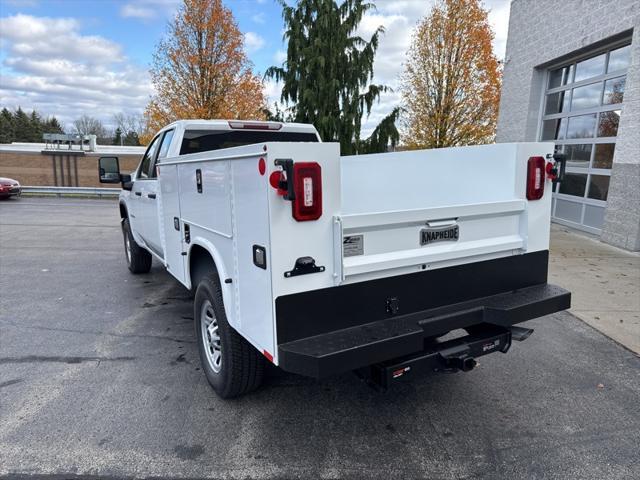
(278, 114)
(52, 125)
(328, 71)
(131, 139)
(7, 127)
(22, 126)
(35, 127)
(385, 133)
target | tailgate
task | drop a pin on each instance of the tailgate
(411, 211)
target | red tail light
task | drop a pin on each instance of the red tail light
(535, 178)
(307, 204)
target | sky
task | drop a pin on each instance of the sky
(73, 57)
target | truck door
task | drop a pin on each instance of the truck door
(145, 194)
(136, 200)
(172, 228)
(151, 198)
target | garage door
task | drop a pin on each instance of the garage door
(582, 105)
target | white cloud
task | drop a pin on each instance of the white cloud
(253, 41)
(41, 38)
(410, 8)
(137, 11)
(50, 66)
(147, 10)
(279, 57)
(258, 17)
(272, 90)
(499, 20)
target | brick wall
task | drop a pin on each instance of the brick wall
(37, 169)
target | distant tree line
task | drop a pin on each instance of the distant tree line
(19, 126)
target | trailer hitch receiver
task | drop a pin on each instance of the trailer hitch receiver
(463, 363)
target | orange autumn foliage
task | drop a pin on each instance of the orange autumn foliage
(200, 69)
(451, 82)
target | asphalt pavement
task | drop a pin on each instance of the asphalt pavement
(99, 376)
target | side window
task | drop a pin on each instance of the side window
(162, 153)
(147, 160)
(164, 146)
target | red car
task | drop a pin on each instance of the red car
(9, 187)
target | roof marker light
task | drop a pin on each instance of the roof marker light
(254, 125)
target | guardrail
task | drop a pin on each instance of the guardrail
(72, 191)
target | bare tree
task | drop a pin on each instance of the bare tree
(129, 123)
(86, 125)
(131, 128)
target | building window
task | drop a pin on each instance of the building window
(581, 109)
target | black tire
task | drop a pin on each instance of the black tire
(138, 259)
(241, 366)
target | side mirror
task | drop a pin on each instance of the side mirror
(109, 170)
(127, 184)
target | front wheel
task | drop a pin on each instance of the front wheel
(138, 259)
(232, 365)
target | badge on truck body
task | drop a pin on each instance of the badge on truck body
(447, 233)
(353, 245)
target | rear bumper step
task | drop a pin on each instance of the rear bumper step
(459, 354)
(400, 336)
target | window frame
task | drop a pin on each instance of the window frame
(271, 137)
(588, 169)
(152, 161)
(157, 158)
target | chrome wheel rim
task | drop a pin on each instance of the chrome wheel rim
(210, 336)
(127, 247)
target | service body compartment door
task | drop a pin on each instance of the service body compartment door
(171, 227)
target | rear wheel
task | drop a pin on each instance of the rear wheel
(138, 259)
(231, 364)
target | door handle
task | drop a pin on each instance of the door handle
(138, 193)
(151, 195)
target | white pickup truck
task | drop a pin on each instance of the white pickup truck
(323, 264)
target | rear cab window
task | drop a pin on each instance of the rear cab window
(196, 141)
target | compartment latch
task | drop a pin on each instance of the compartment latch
(303, 266)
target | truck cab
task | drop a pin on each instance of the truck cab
(189, 137)
(322, 264)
